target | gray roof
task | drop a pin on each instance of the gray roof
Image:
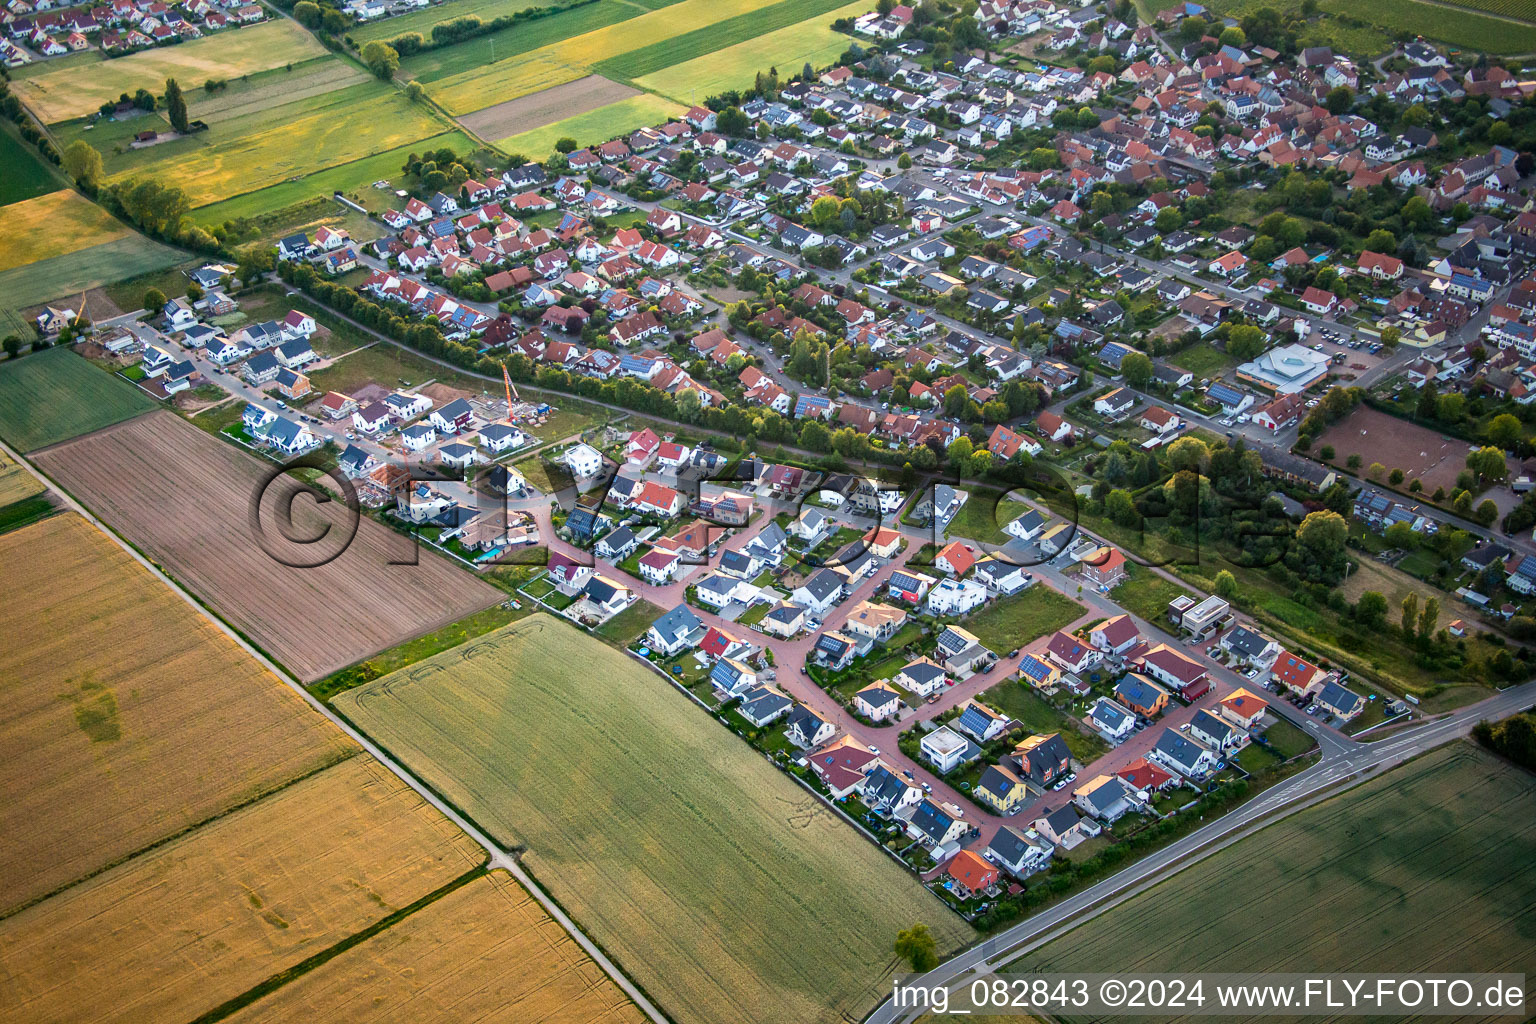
(823, 584)
(678, 621)
(931, 821)
(1109, 714)
(1063, 818)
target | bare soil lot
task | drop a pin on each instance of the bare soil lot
(483, 952)
(1421, 453)
(125, 717)
(545, 107)
(178, 931)
(186, 498)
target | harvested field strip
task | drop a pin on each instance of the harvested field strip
(107, 724)
(54, 395)
(275, 88)
(573, 58)
(1363, 882)
(78, 91)
(720, 35)
(15, 482)
(811, 41)
(516, 117)
(454, 961)
(354, 178)
(594, 126)
(143, 478)
(424, 20)
(724, 889)
(52, 225)
(298, 138)
(203, 919)
(75, 272)
(509, 42)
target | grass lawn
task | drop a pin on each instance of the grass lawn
(536, 473)
(54, 395)
(1146, 595)
(25, 173)
(93, 267)
(52, 225)
(570, 417)
(984, 515)
(1288, 740)
(733, 67)
(720, 886)
(631, 622)
(1014, 621)
(412, 651)
(594, 126)
(78, 91)
(1202, 360)
(1368, 876)
(391, 366)
(1038, 715)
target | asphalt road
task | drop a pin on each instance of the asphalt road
(1334, 772)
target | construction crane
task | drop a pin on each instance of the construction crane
(506, 379)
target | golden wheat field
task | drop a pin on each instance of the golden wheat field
(15, 482)
(484, 952)
(125, 717)
(180, 930)
(570, 59)
(726, 891)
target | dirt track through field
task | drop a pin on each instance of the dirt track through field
(545, 107)
(185, 498)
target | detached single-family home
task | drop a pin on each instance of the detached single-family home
(877, 702)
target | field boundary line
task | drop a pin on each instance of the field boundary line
(498, 857)
(181, 833)
(303, 967)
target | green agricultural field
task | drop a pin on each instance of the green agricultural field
(1368, 29)
(79, 90)
(1015, 621)
(594, 126)
(720, 35)
(509, 42)
(249, 153)
(73, 273)
(52, 225)
(1520, 9)
(354, 178)
(811, 41)
(25, 173)
(1427, 868)
(423, 21)
(726, 891)
(573, 58)
(277, 87)
(54, 395)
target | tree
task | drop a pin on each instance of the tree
(1374, 470)
(824, 211)
(1428, 617)
(1410, 614)
(382, 59)
(1371, 609)
(1137, 369)
(1339, 99)
(12, 345)
(175, 106)
(1395, 477)
(1121, 507)
(1503, 431)
(954, 400)
(1381, 240)
(1353, 462)
(1488, 463)
(1321, 538)
(731, 121)
(154, 299)
(82, 163)
(1487, 512)
(307, 13)
(904, 161)
(1226, 585)
(1233, 36)
(1246, 342)
(1169, 220)
(1401, 535)
(414, 91)
(1188, 453)
(916, 945)
(565, 145)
